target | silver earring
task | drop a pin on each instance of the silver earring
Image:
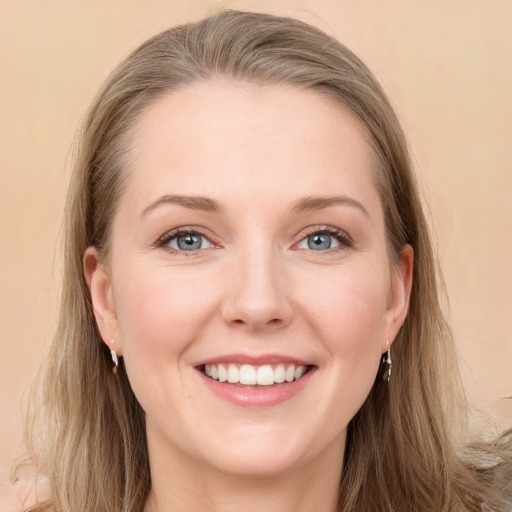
(114, 359)
(387, 360)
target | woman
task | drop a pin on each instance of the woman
(250, 316)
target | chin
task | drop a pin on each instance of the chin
(263, 464)
(252, 452)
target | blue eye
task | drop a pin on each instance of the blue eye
(323, 240)
(185, 241)
(320, 241)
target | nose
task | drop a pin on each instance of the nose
(258, 296)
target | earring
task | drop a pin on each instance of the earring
(387, 360)
(114, 359)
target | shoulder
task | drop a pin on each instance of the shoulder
(20, 495)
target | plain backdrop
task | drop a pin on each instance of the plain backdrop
(446, 65)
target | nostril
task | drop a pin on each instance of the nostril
(273, 322)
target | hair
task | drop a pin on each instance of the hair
(88, 429)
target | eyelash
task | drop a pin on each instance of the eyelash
(165, 239)
(343, 238)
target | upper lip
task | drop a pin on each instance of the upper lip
(254, 360)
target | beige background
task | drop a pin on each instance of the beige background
(447, 66)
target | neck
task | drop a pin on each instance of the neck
(180, 485)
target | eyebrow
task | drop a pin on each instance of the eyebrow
(206, 204)
(312, 203)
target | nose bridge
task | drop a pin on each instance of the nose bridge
(258, 290)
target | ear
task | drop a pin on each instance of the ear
(401, 284)
(100, 287)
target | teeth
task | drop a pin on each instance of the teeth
(233, 374)
(299, 372)
(223, 374)
(249, 375)
(279, 374)
(265, 375)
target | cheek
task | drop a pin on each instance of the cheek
(161, 312)
(347, 313)
(348, 301)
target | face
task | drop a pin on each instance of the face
(248, 286)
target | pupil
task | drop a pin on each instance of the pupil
(190, 241)
(319, 241)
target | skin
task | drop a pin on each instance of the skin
(256, 287)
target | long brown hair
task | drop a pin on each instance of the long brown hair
(88, 428)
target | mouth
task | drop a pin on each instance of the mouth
(257, 381)
(255, 375)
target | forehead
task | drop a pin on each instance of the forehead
(245, 142)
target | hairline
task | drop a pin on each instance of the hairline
(126, 147)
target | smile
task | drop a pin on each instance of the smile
(256, 381)
(251, 375)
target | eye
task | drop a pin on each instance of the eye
(184, 241)
(325, 239)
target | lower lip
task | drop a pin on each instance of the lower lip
(257, 396)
